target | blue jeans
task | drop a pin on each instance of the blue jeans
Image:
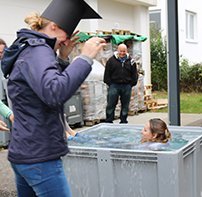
(114, 92)
(45, 179)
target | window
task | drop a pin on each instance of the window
(155, 19)
(191, 26)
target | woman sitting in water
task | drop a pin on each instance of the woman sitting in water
(155, 135)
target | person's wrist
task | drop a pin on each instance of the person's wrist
(64, 58)
(11, 117)
(62, 61)
(86, 58)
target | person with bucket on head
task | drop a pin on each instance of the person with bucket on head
(39, 84)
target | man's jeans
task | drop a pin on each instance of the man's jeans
(46, 179)
(114, 92)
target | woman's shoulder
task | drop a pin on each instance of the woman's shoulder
(153, 146)
(158, 146)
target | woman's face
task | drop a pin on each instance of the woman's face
(53, 31)
(61, 37)
(146, 133)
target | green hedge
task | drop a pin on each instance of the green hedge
(190, 75)
(158, 61)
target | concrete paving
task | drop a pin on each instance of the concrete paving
(142, 118)
(7, 184)
(186, 119)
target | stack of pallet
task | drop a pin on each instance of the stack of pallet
(94, 91)
(94, 95)
(155, 104)
(94, 101)
(151, 102)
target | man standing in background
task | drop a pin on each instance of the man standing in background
(120, 75)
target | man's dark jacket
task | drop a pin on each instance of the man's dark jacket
(120, 71)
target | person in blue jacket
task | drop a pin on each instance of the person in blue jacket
(39, 83)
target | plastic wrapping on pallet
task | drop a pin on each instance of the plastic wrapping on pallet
(94, 94)
(94, 98)
(140, 93)
(105, 54)
(97, 72)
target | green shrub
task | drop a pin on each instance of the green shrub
(158, 61)
(190, 77)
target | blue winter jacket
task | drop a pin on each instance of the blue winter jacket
(38, 87)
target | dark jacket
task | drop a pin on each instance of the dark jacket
(38, 87)
(120, 72)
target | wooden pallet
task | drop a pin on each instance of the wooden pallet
(143, 109)
(132, 112)
(158, 107)
(155, 104)
(114, 31)
(91, 122)
(121, 32)
(161, 103)
(147, 97)
(103, 32)
(150, 103)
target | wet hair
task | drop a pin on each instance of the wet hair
(2, 42)
(36, 22)
(159, 128)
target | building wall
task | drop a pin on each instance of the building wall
(187, 48)
(190, 49)
(12, 15)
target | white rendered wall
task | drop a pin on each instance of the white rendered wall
(190, 50)
(12, 15)
(187, 49)
(115, 16)
(141, 21)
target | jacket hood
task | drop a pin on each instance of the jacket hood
(30, 34)
(25, 38)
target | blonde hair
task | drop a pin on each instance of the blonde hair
(36, 22)
(159, 127)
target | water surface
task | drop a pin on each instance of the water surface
(128, 137)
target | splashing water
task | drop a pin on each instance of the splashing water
(119, 137)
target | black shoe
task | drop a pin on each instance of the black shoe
(123, 122)
(108, 121)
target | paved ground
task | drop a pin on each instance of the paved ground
(7, 186)
(186, 119)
